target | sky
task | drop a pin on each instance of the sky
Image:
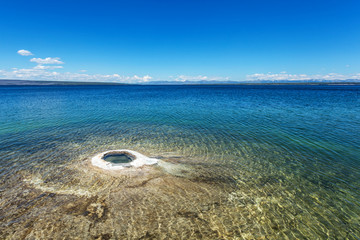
(141, 41)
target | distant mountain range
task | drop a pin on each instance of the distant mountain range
(9, 82)
(267, 82)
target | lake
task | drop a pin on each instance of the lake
(247, 162)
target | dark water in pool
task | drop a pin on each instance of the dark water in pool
(262, 161)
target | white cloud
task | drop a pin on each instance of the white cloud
(47, 60)
(183, 78)
(40, 73)
(301, 77)
(47, 67)
(24, 52)
(145, 78)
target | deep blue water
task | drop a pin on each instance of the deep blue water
(300, 140)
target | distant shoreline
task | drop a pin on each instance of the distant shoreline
(9, 82)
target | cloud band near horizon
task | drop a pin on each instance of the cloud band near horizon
(283, 76)
(45, 72)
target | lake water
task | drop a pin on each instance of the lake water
(238, 162)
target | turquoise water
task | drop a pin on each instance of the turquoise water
(247, 162)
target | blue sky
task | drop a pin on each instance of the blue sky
(135, 41)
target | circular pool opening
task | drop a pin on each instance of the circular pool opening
(118, 158)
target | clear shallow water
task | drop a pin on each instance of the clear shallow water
(247, 162)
